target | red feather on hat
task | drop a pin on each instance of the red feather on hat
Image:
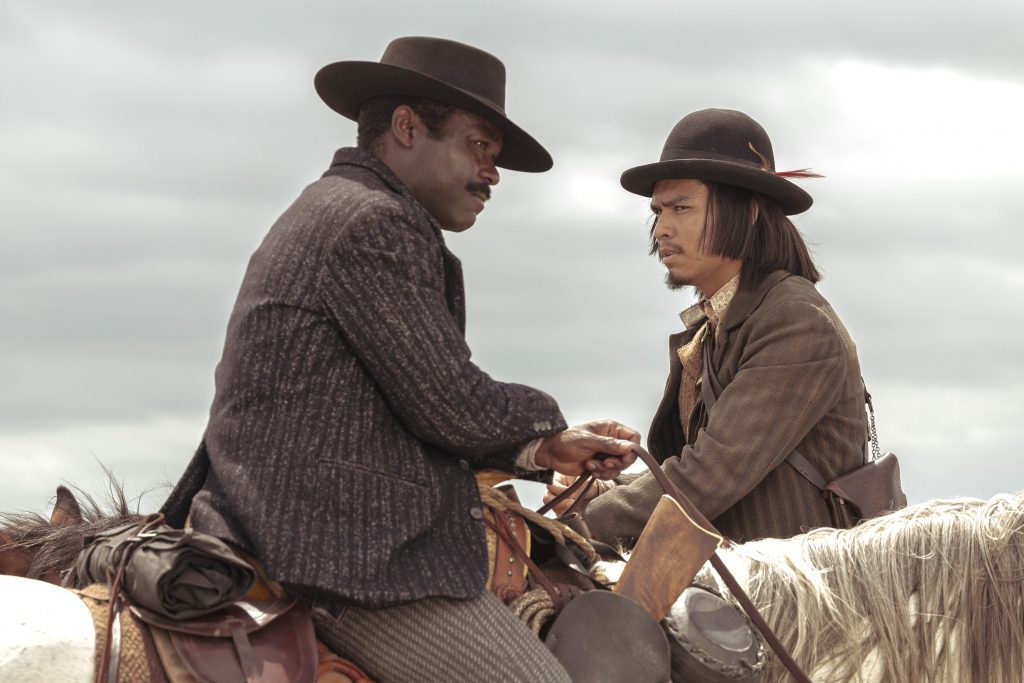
(799, 173)
(766, 165)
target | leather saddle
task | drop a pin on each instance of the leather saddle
(250, 641)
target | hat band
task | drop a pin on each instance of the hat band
(701, 155)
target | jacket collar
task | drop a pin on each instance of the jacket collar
(712, 307)
(746, 301)
(353, 156)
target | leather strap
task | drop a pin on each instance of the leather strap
(730, 581)
(112, 655)
(741, 597)
(710, 388)
(807, 469)
(538, 575)
(581, 480)
(111, 651)
(578, 501)
(243, 648)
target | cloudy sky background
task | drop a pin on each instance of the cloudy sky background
(146, 148)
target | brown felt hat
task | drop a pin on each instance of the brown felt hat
(722, 146)
(435, 69)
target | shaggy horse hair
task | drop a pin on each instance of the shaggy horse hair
(55, 547)
(934, 592)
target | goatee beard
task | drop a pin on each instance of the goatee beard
(674, 283)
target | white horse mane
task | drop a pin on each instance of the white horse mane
(931, 593)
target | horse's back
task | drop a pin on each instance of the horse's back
(46, 633)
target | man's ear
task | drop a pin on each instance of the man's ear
(404, 125)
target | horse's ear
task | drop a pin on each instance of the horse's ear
(66, 511)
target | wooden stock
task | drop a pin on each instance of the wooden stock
(671, 550)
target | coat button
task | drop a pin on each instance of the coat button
(464, 464)
(476, 513)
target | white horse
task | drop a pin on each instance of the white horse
(931, 593)
(46, 633)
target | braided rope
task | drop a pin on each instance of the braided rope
(534, 608)
(496, 500)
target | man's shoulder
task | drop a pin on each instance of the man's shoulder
(359, 203)
(788, 297)
(794, 288)
(356, 190)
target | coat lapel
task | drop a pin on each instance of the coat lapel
(454, 287)
(666, 435)
(455, 292)
(743, 304)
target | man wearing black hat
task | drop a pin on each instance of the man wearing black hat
(764, 401)
(348, 419)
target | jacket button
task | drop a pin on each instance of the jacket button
(464, 464)
(476, 513)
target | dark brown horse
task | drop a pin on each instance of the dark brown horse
(35, 547)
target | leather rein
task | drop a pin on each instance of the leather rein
(586, 479)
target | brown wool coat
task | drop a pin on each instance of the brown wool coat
(791, 380)
(348, 417)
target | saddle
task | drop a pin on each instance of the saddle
(186, 587)
(251, 641)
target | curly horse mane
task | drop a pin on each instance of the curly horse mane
(934, 592)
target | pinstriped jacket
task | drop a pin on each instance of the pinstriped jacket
(348, 417)
(791, 381)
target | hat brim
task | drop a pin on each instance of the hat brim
(344, 86)
(792, 198)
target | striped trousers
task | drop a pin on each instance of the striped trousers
(442, 640)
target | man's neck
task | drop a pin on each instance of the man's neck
(711, 286)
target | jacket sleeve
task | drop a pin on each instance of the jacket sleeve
(382, 281)
(791, 372)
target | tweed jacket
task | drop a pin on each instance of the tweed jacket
(348, 417)
(791, 381)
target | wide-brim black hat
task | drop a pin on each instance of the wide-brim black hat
(441, 70)
(723, 146)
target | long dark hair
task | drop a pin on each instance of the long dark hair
(769, 243)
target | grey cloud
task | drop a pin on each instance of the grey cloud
(142, 167)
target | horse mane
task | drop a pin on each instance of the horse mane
(57, 547)
(929, 593)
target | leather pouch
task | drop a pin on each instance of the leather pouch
(873, 489)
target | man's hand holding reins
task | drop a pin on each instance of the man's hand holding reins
(561, 482)
(602, 447)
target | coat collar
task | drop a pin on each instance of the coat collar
(746, 301)
(353, 156)
(743, 304)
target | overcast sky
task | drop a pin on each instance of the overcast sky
(146, 148)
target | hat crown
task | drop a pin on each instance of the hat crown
(722, 135)
(440, 70)
(457, 64)
(720, 146)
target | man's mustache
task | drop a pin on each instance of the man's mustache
(482, 188)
